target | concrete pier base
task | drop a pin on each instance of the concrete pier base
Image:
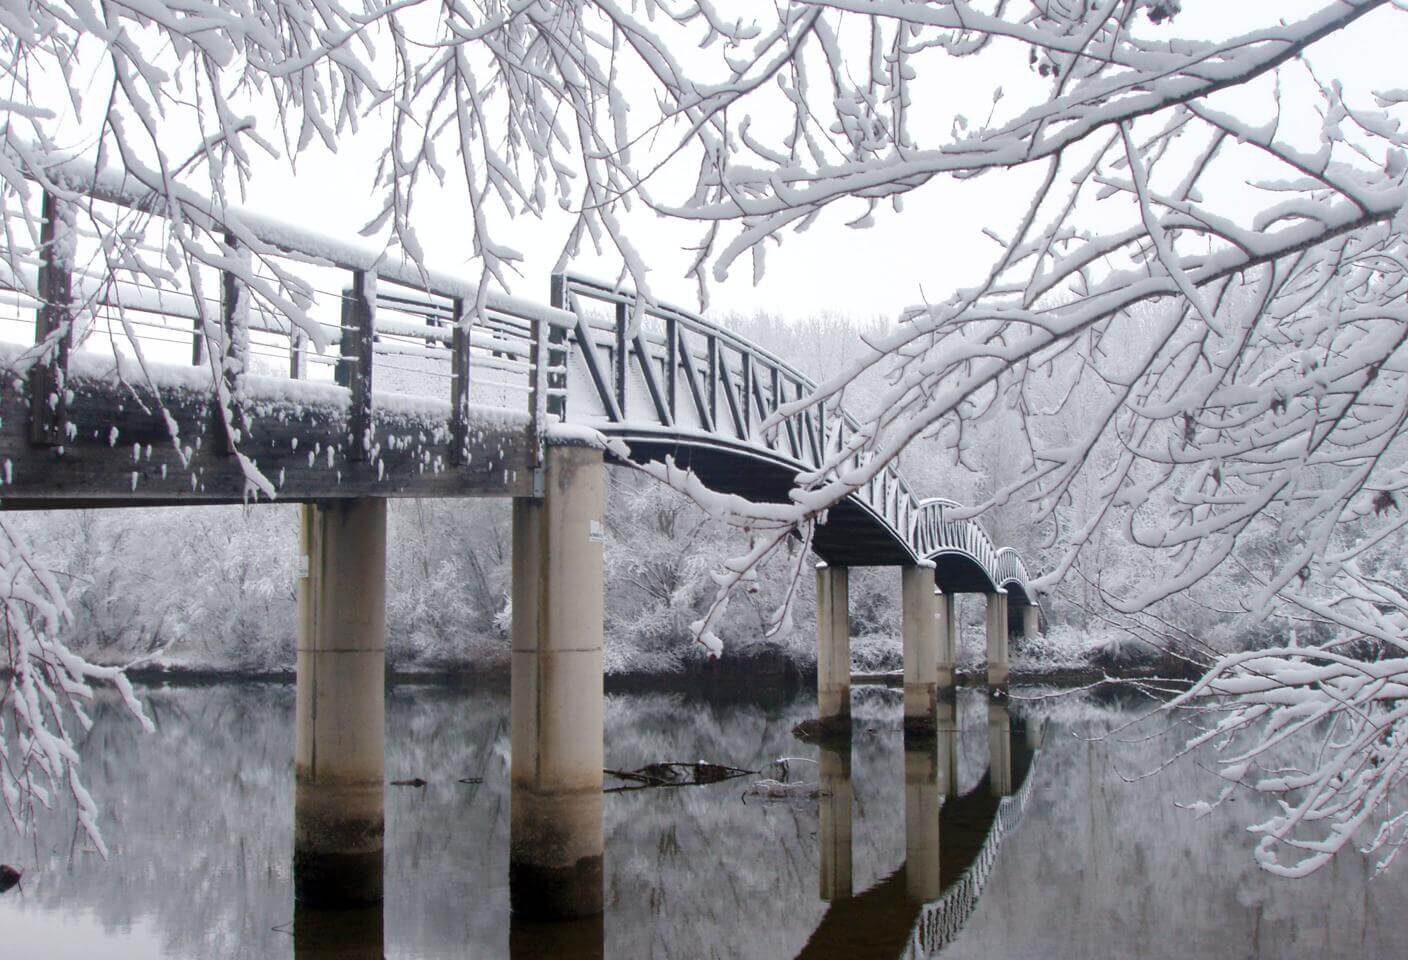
(835, 822)
(1000, 749)
(1031, 621)
(948, 639)
(923, 792)
(833, 651)
(919, 630)
(556, 837)
(341, 704)
(997, 640)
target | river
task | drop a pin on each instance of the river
(1062, 854)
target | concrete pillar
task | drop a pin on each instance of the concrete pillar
(999, 749)
(997, 640)
(833, 645)
(835, 817)
(919, 630)
(556, 839)
(948, 639)
(1031, 621)
(341, 704)
(322, 934)
(923, 790)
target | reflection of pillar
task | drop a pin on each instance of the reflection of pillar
(323, 934)
(341, 704)
(948, 638)
(947, 747)
(555, 827)
(1031, 621)
(997, 639)
(580, 939)
(833, 650)
(835, 810)
(1000, 749)
(923, 771)
(919, 631)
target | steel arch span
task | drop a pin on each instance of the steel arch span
(671, 383)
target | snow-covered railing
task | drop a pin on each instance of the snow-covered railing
(259, 297)
(671, 370)
(934, 534)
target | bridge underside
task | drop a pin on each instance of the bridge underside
(958, 573)
(119, 448)
(852, 535)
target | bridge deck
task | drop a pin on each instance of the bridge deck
(119, 449)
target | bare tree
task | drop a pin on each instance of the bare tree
(1260, 383)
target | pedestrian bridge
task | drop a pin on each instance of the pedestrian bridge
(280, 364)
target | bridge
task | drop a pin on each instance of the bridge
(277, 363)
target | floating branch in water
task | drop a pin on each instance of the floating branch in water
(676, 774)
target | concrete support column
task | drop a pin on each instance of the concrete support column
(341, 704)
(948, 639)
(923, 790)
(556, 837)
(999, 749)
(835, 817)
(833, 645)
(919, 630)
(1031, 621)
(997, 640)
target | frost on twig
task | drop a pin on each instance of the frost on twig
(46, 690)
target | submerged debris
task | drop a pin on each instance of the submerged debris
(413, 782)
(768, 789)
(676, 774)
(9, 877)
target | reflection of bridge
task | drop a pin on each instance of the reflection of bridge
(951, 841)
(149, 385)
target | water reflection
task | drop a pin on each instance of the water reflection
(352, 933)
(957, 844)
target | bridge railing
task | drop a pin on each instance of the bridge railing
(94, 286)
(677, 372)
(934, 531)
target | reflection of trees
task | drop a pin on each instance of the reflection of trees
(1102, 867)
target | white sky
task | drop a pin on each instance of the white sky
(934, 246)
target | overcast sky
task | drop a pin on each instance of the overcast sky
(932, 247)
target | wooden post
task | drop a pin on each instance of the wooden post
(234, 355)
(53, 325)
(537, 391)
(557, 352)
(460, 381)
(297, 356)
(355, 370)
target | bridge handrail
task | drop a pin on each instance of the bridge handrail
(448, 324)
(812, 434)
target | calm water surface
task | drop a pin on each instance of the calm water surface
(1079, 862)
